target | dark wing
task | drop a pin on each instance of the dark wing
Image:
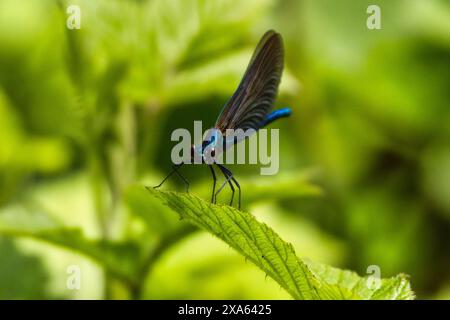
(255, 96)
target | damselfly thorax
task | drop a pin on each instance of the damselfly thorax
(215, 143)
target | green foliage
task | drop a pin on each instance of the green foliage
(86, 117)
(21, 282)
(118, 258)
(261, 245)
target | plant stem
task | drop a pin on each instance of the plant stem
(100, 209)
(98, 193)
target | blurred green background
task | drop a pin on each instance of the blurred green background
(86, 117)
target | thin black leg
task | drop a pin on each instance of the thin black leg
(230, 174)
(229, 177)
(227, 180)
(213, 198)
(186, 183)
(239, 188)
(175, 170)
(164, 180)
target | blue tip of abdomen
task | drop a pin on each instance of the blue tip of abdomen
(277, 114)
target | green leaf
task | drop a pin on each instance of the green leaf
(17, 280)
(158, 218)
(118, 258)
(347, 284)
(261, 245)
